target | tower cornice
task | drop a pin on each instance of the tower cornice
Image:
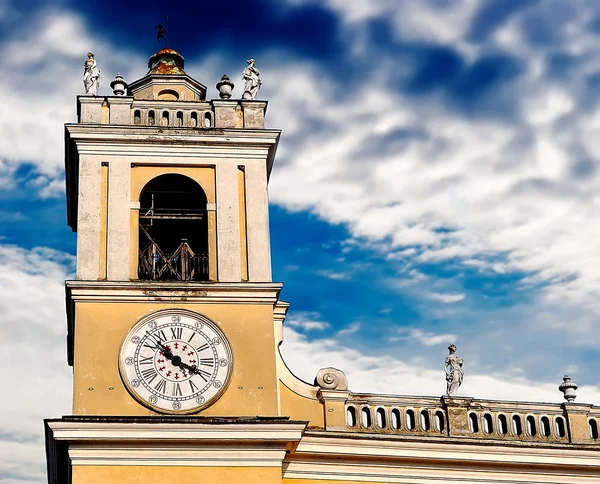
(184, 146)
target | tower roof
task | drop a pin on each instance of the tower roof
(166, 80)
(166, 61)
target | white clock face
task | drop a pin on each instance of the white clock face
(176, 361)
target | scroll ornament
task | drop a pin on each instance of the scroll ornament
(331, 379)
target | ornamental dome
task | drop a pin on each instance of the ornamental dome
(166, 61)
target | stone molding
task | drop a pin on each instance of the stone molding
(188, 292)
(367, 459)
(196, 442)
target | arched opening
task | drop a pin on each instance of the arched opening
(207, 120)
(545, 426)
(193, 119)
(560, 427)
(593, 428)
(137, 117)
(351, 417)
(439, 421)
(410, 419)
(381, 420)
(168, 95)
(425, 423)
(173, 230)
(366, 417)
(488, 423)
(151, 118)
(395, 419)
(502, 424)
(179, 118)
(164, 120)
(473, 423)
(516, 425)
(531, 430)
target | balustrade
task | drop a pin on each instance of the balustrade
(483, 420)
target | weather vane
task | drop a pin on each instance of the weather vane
(161, 32)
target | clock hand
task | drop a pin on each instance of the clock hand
(174, 359)
(156, 340)
(192, 369)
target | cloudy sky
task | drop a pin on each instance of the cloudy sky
(437, 181)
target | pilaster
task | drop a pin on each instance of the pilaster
(228, 223)
(118, 220)
(254, 114)
(577, 421)
(457, 412)
(334, 406)
(89, 109)
(257, 214)
(224, 113)
(120, 110)
(88, 218)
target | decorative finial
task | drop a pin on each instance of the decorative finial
(161, 32)
(119, 85)
(91, 75)
(454, 372)
(225, 86)
(251, 76)
(568, 388)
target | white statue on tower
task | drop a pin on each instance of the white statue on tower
(91, 75)
(251, 76)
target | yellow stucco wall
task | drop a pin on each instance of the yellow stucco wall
(101, 327)
(179, 475)
(298, 407)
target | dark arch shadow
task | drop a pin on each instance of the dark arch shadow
(173, 230)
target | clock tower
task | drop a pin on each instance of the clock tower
(174, 322)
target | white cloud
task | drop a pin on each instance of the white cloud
(350, 329)
(423, 337)
(33, 335)
(445, 298)
(306, 321)
(336, 276)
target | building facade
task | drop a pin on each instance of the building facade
(174, 327)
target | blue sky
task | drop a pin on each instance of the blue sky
(436, 182)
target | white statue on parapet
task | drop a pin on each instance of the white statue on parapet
(251, 77)
(91, 75)
(454, 371)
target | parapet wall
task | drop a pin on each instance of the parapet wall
(125, 111)
(461, 417)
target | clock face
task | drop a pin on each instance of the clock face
(176, 361)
